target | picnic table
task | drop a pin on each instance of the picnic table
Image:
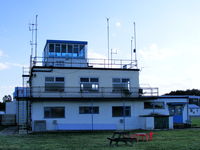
(121, 136)
(144, 136)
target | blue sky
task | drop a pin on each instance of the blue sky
(168, 36)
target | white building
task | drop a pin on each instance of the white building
(68, 91)
(194, 110)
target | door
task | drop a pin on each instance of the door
(161, 122)
(177, 112)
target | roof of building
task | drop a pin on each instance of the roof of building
(180, 96)
(66, 41)
(193, 106)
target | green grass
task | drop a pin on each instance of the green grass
(187, 139)
(195, 121)
(2, 127)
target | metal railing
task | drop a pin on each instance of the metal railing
(88, 62)
(71, 92)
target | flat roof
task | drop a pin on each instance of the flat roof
(67, 41)
(86, 68)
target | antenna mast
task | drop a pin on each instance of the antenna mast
(135, 45)
(33, 42)
(36, 37)
(108, 38)
(131, 51)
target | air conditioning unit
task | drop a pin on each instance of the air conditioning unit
(40, 125)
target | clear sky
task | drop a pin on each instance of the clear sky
(168, 36)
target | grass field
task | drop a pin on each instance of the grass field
(187, 139)
(195, 121)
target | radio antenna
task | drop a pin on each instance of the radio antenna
(108, 39)
(33, 42)
(135, 45)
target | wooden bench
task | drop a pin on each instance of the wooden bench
(125, 140)
(121, 136)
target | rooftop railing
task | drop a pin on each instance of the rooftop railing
(80, 62)
(76, 92)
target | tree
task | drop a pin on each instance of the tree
(194, 92)
(7, 98)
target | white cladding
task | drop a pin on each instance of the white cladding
(102, 121)
(72, 81)
(11, 107)
(194, 110)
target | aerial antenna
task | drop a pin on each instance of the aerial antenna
(108, 38)
(131, 51)
(135, 45)
(33, 42)
(36, 36)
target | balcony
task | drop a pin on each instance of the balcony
(76, 92)
(89, 62)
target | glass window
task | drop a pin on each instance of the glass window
(89, 110)
(89, 84)
(54, 112)
(51, 47)
(82, 51)
(57, 48)
(49, 79)
(76, 48)
(121, 84)
(54, 84)
(94, 80)
(63, 48)
(154, 105)
(116, 80)
(84, 79)
(70, 49)
(121, 111)
(59, 79)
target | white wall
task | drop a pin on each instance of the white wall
(194, 112)
(171, 122)
(11, 107)
(102, 120)
(72, 79)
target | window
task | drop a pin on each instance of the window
(54, 112)
(51, 47)
(63, 50)
(154, 105)
(76, 48)
(70, 49)
(89, 110)
(121, 111)
(89, 84)
(121, 84)
(57, 48)
(54, 84)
